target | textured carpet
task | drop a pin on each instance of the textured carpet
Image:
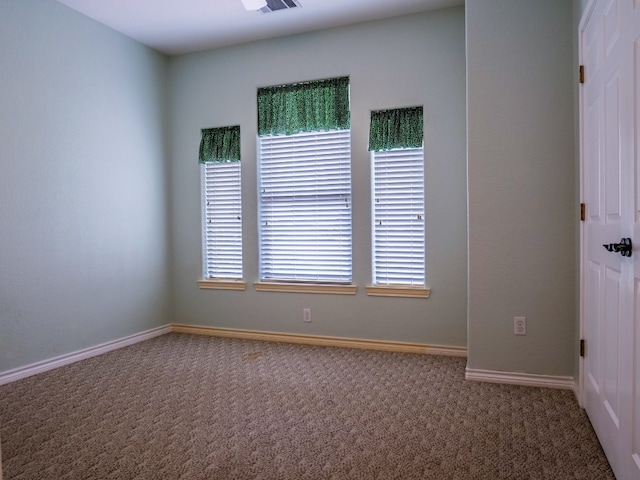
(195, 407)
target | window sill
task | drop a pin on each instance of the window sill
(398, 291)
(305, 288)
(213, 284)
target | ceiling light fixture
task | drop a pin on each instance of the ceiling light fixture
(254, 4)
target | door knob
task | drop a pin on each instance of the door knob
(625, 247)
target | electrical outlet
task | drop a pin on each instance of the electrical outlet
(519, 325)
(306, 315)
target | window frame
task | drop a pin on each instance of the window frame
(401, 183)
(339, 147)
(208, 180)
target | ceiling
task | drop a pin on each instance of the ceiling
(175, 27)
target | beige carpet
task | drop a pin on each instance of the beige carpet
(194, 407)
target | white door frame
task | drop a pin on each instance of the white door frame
(580, 387)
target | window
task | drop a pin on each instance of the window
(305, 183)
(398, 228)
(221, 206)
(398, 217)
(222, 220)
(305, 207)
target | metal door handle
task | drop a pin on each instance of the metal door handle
(625, 247)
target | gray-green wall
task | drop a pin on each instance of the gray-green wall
(413, 60)
(83, 187)
(95, 230)
(521, 185)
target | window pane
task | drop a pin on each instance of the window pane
(398, 217)
(305, 207)
(222, 209)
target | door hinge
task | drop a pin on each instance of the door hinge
(581, 71)
(583, 212)
(582, 347)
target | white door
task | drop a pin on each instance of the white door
(609, 190)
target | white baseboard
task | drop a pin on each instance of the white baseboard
(381, 345)
(50, 364)
(492, 376)
(526, 379)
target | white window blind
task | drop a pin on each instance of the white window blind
(222, 212)
(398, 217)
(305, 207)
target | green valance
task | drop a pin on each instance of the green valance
(398, 128)
(315, 106)
(220, 145)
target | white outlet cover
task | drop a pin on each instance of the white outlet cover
(519, 325)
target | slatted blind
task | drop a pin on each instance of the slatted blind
(398, 217)
(222, 212)
(305, 207)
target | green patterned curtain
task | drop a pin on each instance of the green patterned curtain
(398, 128)
(304, 107)
(220, 145)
